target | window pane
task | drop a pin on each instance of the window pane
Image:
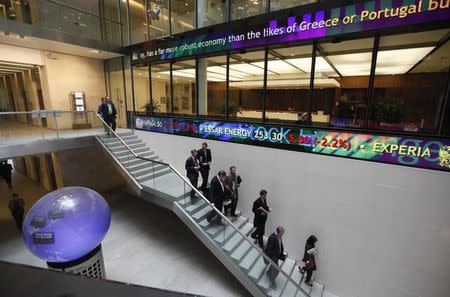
(341, 80)
(183, 16)
(158, 18)
(212, 91)
(161, 88)
(212, 12)
(138, 22)
(183, 75)
(282, 4)
(410, 82)
(128, 86)
(288, 78)
(244, 8)
(116, 89)
(141, 88)
(247, 85)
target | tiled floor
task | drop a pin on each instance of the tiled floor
(145, 245)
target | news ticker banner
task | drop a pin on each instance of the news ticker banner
(417, 152)
(360, 17)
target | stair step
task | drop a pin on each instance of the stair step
(141, 172)
(316, 290)
(120, 144)
(201, 214)
(154, 174)
(238, 221)
(250, 259)
(124, 138)
(195, 207)
(143, 165)
(130, 156)
(127, 152)
(247, 229)
(224, 234)
(241, 250)
(122, 134)
(231, 244)
(258, 269)
(290, 288)
(133, 161)
(304, 286)
(125, 149)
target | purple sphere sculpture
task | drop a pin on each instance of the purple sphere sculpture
(66, 224)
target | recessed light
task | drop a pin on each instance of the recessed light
(95, 51)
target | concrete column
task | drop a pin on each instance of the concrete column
(202, 87)
(202, 13)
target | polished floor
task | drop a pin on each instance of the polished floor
(145, 245)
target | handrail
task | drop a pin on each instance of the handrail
(262, 253)
(83, 11)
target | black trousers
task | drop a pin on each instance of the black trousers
(309, 273)
(232, 206)
(259, 234)
(205, 174)
(18, 217)
(111, 122)
(212, 213)
(194, 182)
(8, 180)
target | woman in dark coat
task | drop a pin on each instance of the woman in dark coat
(309, 259)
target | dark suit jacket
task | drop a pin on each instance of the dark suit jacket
(259, 219)
(104, 110)
(204, 157)
(190, 165)
(217, 195)
(273, 250)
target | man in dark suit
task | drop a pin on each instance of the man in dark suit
(274, 250)
(217, 193)
(260, 209)
(192, 168)
(109, 112)
(204, 158)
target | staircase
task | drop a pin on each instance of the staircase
(160, 183)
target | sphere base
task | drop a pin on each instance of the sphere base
(90, 265)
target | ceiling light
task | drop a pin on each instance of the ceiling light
(95, 51)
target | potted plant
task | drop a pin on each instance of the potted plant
(233, 109)
(388, 112)
(151, 106)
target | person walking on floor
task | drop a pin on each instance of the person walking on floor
(232, 182)
(261, 210)
(204, 158)
(109, 113)
(192, 168)
(6, 172)
(309, 259)
(217, 194)
(16, 207)
(274, 250)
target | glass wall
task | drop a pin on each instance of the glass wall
(406, 91)
(211, 12)
(142, 88)
(183, 16)
(341, 80)
(410, 79)
(184, 87)
(158, 18)
(245, 8)
(212, 86)
(161, 89)
(247, 85)
(138, 21)
(115, 85)
(288, 80)
(282, 4)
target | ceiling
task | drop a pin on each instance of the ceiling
(54, 46)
